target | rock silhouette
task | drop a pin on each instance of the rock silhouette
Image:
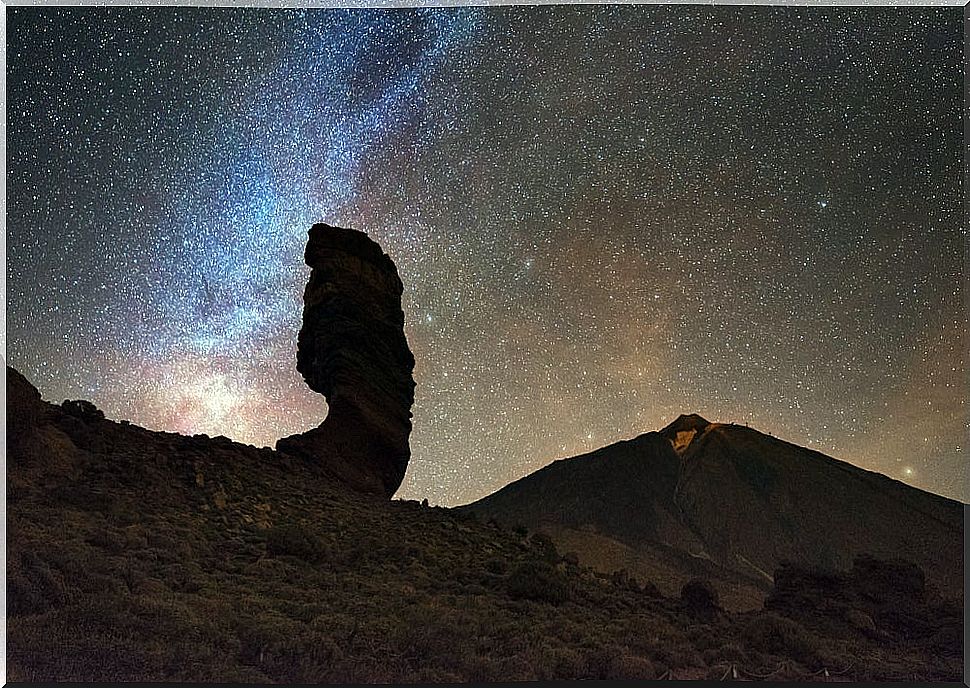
(352, 349)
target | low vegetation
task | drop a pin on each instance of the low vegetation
(159, 558)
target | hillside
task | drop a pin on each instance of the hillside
(731, 504)
(144, 556)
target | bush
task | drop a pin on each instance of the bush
(545, 547)
(777, 635)
(701, 598)
(263, 638)
(626, 667)
(496, 565)
(295, 541)
(564, 663)
(611, 662)
(34, 590)
(725, 654)
(537, 581)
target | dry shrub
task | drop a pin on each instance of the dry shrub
(496, 565)
(672, 649)
(725, 654)
(627, 667)
(545, 547)
(778, 635)
(537, 581)
(564, 663)
(295, 540)
(34, 588)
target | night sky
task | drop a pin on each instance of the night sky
(604, 216)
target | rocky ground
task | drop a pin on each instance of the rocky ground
(142, 556)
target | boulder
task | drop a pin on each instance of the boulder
(701, 599)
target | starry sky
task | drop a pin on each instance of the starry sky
(604, 216)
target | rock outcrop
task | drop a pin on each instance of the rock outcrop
(886, 600)
(352, 349)
(682, 431)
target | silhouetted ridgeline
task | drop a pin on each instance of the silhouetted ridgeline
(137, 555)
(731, 504)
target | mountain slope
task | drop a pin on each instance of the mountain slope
(734, 500)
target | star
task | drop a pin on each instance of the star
(603, 216)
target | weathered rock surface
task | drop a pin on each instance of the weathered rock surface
(352, 349)
(887, 600)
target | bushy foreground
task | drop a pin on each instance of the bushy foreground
(149, 556)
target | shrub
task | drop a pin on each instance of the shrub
(725, 654)
(496, 565)
(537, 581)
(34, 590)
(564, 663)
(622, 579)
(701, 598)
(263, 638)
(778, 635)
(610, 662)
(545, 547)
(626, 667)
(295, 541)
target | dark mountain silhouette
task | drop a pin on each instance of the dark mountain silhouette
(732, 504)
(149, 556)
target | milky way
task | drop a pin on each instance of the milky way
(603, 216)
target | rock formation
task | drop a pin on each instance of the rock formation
(352, 349)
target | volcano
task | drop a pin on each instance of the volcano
(731, 504)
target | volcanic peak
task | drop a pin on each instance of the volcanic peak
(682, 431)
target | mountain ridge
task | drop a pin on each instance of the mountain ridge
(746, 501)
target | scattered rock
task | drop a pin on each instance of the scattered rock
(885, 581)
(701, 599)
(82, 409)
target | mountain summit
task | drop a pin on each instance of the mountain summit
(683, 430)
(731, 504)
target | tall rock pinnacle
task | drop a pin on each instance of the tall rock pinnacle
(352, 349)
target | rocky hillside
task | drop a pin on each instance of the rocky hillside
(731, 504)
(141, 556)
